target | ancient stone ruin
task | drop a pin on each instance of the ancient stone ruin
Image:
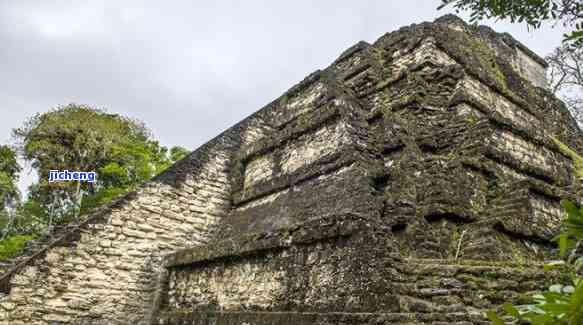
(416, 180)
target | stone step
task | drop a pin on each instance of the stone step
(437, 285)
(332, 318)
(31, 249)
(469, 263)
(495, 272)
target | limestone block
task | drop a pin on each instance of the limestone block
(311, 147)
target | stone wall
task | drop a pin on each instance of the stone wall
(106, 271)
(336, 265)
(318, 276)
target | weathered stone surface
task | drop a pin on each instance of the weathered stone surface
(414, 181)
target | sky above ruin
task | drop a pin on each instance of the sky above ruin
(188, 69)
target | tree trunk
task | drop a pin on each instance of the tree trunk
(78, 200)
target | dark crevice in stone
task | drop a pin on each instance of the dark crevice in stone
(455, 218)
(428, 148)
(375, 119)
(356, 71)
(529, 172)
(528, 238)
(388, 150)
(551, 197)
(399, 228)
(380, 183)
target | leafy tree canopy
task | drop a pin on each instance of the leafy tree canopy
(81, 138)
(532, 12)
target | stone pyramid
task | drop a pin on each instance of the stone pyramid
(416, 180)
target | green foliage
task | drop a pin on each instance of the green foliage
(32, 214)
(9, 194)
(177, 153)
(76, 137)
(531, 12)
(8, 163)
(102, 197)
(560, 304)
(138, 161)
(9, 170)
(573, 228)
(13, 246)
(18, 223)
(79, 137)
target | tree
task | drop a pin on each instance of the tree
(566, 77)
(532, 12)
(131, 165)
(9, 194)
(81, 138)
(9, 170)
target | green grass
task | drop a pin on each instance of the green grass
(13, 246)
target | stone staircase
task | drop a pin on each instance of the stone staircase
(32, 248)
(35, 245)
(430, 291)
(56, 236)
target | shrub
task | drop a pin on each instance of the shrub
(13, 246)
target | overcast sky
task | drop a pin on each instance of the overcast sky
(188, 69)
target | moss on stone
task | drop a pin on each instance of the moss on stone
(487, 58)
(577, 159)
